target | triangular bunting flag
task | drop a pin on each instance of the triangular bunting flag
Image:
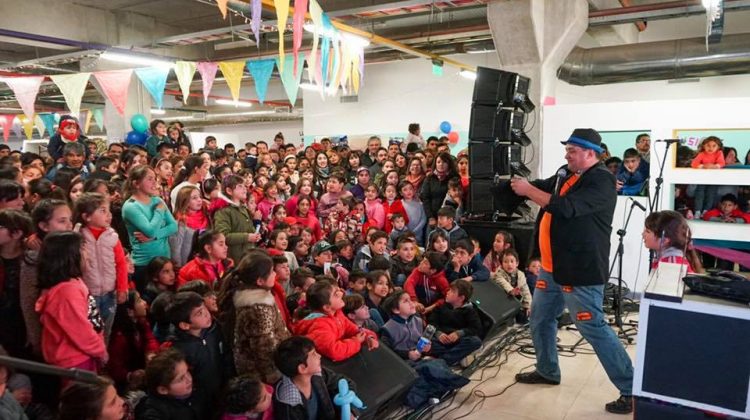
(261, 71)
(154, 79)
(86, 117)
(222, 7)
(300, 8)
(17, 127)
(7, 122)
(28, 127)
(25, 89)
(290, 81)
(72, 87)
(99, 117)
(232, 71)
(207, 69)
(49, 123)
(185, 70)
(114, 84)
(39, 125)
(313, 59)
(256, 7)
(282, 14)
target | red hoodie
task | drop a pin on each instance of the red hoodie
(333, 335)
(201, 269)
(396, 207)
(737, 213)
(311, 222)
(425, 289)
(68, 335)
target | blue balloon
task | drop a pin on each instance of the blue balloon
(445, 127)
(136, 138)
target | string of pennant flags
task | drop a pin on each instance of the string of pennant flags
(338, 63)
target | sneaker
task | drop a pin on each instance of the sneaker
(534, 378)
(622, 405)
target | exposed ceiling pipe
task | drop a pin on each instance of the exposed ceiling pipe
(664, 60)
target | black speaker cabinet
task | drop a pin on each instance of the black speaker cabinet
(488, 159)
(490, 123)
(496, 308)
(382, 379)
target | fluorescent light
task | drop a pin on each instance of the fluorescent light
(242, 104)
(158, 112)
(184, 117)
(355, 39)
(238, 114)
(307, 86)
(135, 59)
(472, 75)
(309, 27)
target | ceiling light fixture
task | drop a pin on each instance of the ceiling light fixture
(158, 112)
(310, 87)
(135, 59)
(231, 102)
(239, 114)
(471, 75)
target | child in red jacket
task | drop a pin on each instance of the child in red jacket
(727, 211)
(72, 330)
(335, 336)
(427, 284)
(211, 261)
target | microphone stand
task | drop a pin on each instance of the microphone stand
(654, 204)
(624, 332)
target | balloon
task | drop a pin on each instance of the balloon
(445, 127)
(453, 137)
(136, 138)
(345, 399)
(139, 123)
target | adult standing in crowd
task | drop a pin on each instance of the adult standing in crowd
(370, 156)
(643, 145)
(574, 227)
(435, 187)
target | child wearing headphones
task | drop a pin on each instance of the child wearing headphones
(667, 233)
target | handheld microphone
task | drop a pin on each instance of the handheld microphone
(562, 173)
(668, 141)
(637, 204)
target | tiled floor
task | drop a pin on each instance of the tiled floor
(582, 393)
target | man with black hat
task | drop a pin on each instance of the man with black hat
(574, 225)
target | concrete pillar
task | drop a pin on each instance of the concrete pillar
(532, 38)
(139, 100)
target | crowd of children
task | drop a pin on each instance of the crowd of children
(210, 284)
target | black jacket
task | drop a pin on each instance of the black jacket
(288, 403)
(158, 407)
(433, 193)
(464, 319)
(581, 226)
(210, 362)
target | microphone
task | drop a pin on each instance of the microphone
(637, 204)
(668, 141)
(562, 173)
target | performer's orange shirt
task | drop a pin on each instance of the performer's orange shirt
(545, 248)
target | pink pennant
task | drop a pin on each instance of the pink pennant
(298, 20)
(207, 69)
(7, 122)
(25, 89)
(115, 84)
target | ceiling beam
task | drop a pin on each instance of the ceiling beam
(657, 11)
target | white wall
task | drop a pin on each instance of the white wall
(396, 94)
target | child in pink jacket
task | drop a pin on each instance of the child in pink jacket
(72, 330)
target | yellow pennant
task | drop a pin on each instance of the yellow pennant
(282, 14)
(232, 71)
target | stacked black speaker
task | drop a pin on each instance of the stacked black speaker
(497, 140)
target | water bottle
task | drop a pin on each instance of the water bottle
(426, 338)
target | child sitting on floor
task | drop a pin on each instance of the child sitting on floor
(427, 284)
(334, 335)
(356, 310)
(513, 281)
(457, 323)
(247, 398)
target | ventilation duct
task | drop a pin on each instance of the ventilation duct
(664, 60)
